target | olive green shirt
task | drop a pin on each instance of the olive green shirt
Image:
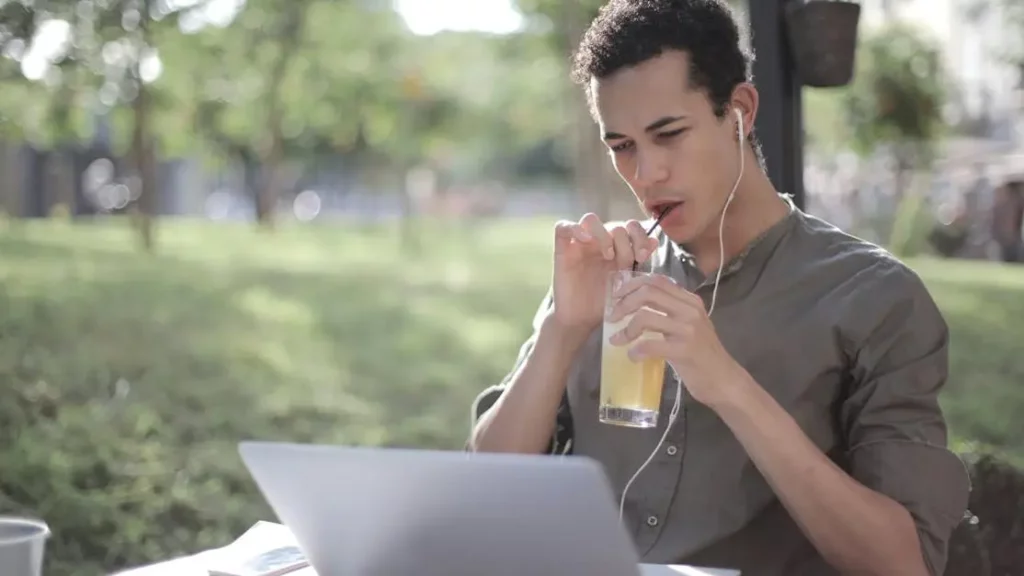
(847, 339)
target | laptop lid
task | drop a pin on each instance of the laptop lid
(394, 512)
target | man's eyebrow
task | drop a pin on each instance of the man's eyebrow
(659, 123)
(662, 122)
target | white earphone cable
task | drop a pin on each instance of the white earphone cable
(677, 405)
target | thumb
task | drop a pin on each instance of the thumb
(567, 232)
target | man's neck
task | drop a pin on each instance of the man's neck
(756, 207)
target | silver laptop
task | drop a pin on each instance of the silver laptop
(391, 512)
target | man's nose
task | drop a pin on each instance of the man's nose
(651, 167)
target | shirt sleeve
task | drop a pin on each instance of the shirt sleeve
(891, 417)
(561, 440)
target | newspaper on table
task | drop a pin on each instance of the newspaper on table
(266, 549)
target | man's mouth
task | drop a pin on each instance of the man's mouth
(661, 208)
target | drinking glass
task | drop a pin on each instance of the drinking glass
(630, 391)
(21, 546)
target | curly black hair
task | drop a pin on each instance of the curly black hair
(629, 32)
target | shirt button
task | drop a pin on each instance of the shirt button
(672, 450)
(652, 521)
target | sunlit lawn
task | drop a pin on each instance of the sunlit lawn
(369, 345)
(984, 306)
(374, 344)
(320, 333)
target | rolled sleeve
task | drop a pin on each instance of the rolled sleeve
(561, 440)
(892, 419)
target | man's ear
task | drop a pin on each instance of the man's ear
(745, 100)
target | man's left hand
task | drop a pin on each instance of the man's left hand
(689, 344)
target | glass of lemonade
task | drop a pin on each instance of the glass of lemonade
(630, 391)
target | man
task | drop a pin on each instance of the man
(810, 439)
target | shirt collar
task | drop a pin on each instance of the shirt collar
(754, 254)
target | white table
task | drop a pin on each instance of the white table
(194, 566)
(268, 535)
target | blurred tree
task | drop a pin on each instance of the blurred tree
(326, 77)
(229, 81)
(895, 103)
(594, 177)
(81, 61)
(826, 128)
(33, 37)
(897, 96)
(16, 23)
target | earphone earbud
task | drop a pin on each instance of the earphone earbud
(677, 405)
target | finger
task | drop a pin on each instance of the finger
(643, 322)
(652, 348)
(623, 247)
(653, 280)
(648, 296)
(593, 225)
(643, 245)
(567, 230)
(662, 283)
(570, 232)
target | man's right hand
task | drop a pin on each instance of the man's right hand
(585, 252)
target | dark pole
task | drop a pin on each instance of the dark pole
(780, 113)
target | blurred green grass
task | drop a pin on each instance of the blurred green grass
(983, 302)
(129, 378)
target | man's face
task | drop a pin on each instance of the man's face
(667, 143)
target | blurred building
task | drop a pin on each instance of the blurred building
(988, 97)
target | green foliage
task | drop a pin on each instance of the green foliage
(129, 378)
(914, 221)
(998, 501)
(827, 129)
(993, 544)
(898, 93)
(346, 76)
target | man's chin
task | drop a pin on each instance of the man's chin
(681, 234)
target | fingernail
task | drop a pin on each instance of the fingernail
(609, 253)
(635, 354)
(585, 236)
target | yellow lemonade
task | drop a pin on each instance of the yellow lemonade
(630, 391)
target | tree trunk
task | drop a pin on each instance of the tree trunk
(594, 178)
(142, 141)
(407, 237)
(63, 159)
(272, 154)
(269, 185)
(143, 155)
(60, 162)
(904, 209)
(11, 190)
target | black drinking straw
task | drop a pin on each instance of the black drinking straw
(657, 222)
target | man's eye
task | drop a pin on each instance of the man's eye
(622, 147)
(671, 133)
